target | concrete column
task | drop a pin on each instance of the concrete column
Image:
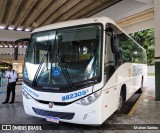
(157, 47)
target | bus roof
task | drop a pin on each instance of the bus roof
(102, 20)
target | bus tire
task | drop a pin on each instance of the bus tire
(120, 103)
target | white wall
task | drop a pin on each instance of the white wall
(125, 8)
(12, 35)
(151, 69)
(139, 26)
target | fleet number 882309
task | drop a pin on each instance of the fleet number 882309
(74, 95)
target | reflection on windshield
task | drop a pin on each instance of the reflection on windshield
(78, 52)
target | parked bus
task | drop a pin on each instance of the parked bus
(81, 71)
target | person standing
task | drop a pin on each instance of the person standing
(12, 77)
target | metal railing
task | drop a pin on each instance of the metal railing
(3, 84)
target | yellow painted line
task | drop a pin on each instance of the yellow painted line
(135, 105)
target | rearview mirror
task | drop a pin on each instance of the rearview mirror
(114, 45)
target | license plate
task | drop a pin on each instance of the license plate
(52, 119)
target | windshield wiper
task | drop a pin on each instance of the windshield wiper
(38, 70)
(62, 66)
(40, 66)
(65, 72)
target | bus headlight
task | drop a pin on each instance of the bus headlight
(83, 101)
(26, 95)
(89, 99)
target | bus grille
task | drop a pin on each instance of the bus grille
(61, 115)
(55, 103)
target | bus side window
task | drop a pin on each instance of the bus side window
(117, 53)
(109, 61)
(112, 51)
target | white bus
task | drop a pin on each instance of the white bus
(81, 71)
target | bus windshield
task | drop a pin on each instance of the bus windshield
(64, 56)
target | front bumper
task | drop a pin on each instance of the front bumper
(72, 113)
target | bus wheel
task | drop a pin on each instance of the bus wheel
(120, 103)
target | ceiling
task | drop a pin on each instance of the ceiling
(26, 15)
(19, 17)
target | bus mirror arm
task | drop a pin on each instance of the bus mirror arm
(17, 45)
(109, 29)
